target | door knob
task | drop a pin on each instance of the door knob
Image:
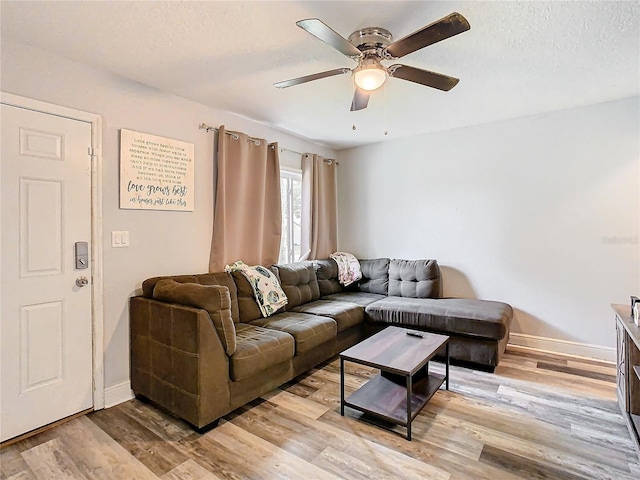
(82, 281)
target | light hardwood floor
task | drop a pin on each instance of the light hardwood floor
(538, 416)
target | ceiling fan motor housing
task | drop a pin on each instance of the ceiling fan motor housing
(371, 40)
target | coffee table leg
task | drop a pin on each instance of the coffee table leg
(342, 386)
(447, 365)
(409, 390)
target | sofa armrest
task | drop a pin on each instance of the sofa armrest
(215, 299)
(178, 360)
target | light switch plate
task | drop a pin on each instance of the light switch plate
(119, 239)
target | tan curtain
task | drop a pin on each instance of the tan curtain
(319, 207)
(247, 220)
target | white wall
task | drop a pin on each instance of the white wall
(161, 242)
(541, 212)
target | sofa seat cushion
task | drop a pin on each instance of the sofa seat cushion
(257, 349)
(468, 317)
(359, 298)
(308, 331)
(345, 314)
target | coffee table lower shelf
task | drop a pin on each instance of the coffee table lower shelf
(387, 399)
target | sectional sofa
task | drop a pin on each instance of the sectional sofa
(200, 348)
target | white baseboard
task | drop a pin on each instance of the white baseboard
(563, 347)
(116, 394)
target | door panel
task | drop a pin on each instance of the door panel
(40, 227)
(46, 356)
(41, 325)
(41, 144)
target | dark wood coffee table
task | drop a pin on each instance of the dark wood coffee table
(404, 385)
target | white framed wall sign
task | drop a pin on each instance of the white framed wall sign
(156, 173)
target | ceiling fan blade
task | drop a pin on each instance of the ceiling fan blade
(309, 78)
(423, 77)
(442, 29)
(360, 100)
(320, 30)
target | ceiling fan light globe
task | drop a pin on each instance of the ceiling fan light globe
(369, 78)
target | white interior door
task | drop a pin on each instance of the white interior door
(46, 324)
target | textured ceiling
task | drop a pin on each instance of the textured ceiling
(519, 58)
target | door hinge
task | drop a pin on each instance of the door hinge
(91, 152)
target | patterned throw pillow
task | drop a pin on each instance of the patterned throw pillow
(348, 267)
(266, 288)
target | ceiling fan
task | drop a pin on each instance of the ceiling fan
(369, 46)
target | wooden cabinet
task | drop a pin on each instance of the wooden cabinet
(628, 370)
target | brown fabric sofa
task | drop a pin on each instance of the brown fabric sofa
(200, 347)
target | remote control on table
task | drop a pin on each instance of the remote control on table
(414, 334)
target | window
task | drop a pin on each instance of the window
(291, 196)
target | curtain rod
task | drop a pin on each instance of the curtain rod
(256, 141)
(233, 135)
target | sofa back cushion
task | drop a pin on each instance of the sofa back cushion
(247, 305)
(220, 278)
(375, 276)
(414, 278)
(327, 274)
(299, 282)
(214, 299)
